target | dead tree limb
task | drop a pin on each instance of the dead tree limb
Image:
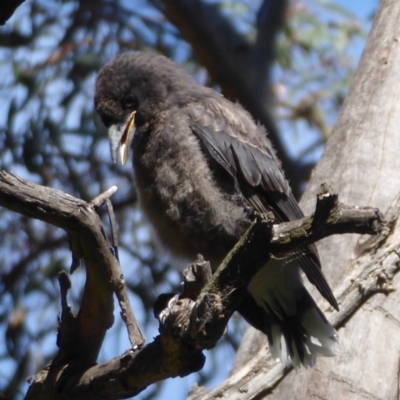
(187, 326)
(373, 271)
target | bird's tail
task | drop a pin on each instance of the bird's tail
(297, 330)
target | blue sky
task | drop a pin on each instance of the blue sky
(361, 8)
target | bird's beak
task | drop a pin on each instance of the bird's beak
(121, 136)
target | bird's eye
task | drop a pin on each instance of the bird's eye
(129, 102)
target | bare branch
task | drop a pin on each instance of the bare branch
(117, 278)
(186, 326)
(102, 198)
(80, 336)
(372, 272)
(135, 335)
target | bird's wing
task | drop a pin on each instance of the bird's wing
(234, 149)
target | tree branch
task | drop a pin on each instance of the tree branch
(372, 272)
(80, 336)
(186, 326)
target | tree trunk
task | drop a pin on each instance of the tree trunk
(362, 162)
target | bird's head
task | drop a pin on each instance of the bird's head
(133, 89)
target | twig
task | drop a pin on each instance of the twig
(96, 203)
(103, 197)
(117, 278)
(135, 335)
(113, 227)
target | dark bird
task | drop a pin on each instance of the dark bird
(201, 163)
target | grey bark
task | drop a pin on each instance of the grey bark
(362, 162)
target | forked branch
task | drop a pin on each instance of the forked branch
(189, 323)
